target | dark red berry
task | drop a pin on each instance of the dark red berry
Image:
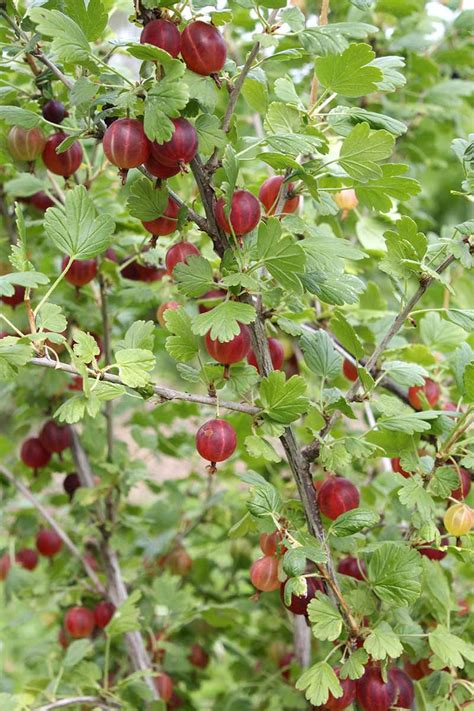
(103, 613)
(397, 467)
(79, 622)
(26, 143)
(162, 308)
(434, 553)
(336, 496)
(431, 390)
(417, 670)
(16, 298)
(284, 664)
(167, 223)
(299, 603)
(55, 438)
(352, 567)
(348, 695)
(81, 271)
(5, 565)
(33, 454)
(41, 201)
(269, 542)
(350, 371)
(462, 491)
(230, 351)
(277, 355)
(244, 213)
(198, 656)
(27, 558)
(71, 484)
(125, 143)
(142, 272)
(65, 163)
(48, 542)
(179, 253)
(211, 299)
(163, 34)
(63, 638)
(164, 685)
(179, 561)
(405, 693)
(203, 48)
(159, 170)
(182, 146)
(54, 111)
(373, 693)
(216, 440)
(269, 195)
(264, 574)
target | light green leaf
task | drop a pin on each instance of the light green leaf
(76, 651)
(353, 521)
(283, 256)
(346, 335)
(394, 573)
(13, 355)
(379, 193)
(363, 149)
(259, 447)
(165, 101)
(194, 276)
(210, 134)
(141, 334)
(320, 355)
(333, 38)
(318, 682)
(406, 248)
(265, 502)
(222, 322)
(51, 318)
(16, 116)
(23, 184)
(135, 365)
(146, 201)
(283, 400)
(405, 373)
(85, 347)
(349, 73)
(92, 19)
(183, 345)
(451, 649)
(325, 618)
(383, 642)
(69, 42)
(343, 118)
(126, 617)
(392, 78)
(354, 667)
(332, 288)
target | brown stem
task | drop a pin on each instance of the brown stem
(208, 198)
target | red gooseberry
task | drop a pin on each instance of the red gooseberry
(48, 542)
(16, 298)
(142, 272)
(210, 299)
(463, 490)
(434, 553)
(353, 567)
(417, 670)
(65, 163)
(244, 213)
(103, 613)
(33, 454)
(26, 143)
(81, 271)
(405, 693)
(164, 686)
(431, 391)
(264, 574)
(55, 438)
(79, 622)
(163, 34)
(71, 484)
(203, 48)
(167, 223)
(269, 542)
(198, 656)
(5, 565)
(348, 695)
(179, 253)
(269, 195)
(231, 351)
(40, 201)
(336, 496)
(350, 371)
(162, 308)
(277, 355)
(373, 693)
(397, 467)
(182, 146)
(125, 143)
(54, 111)
(216, 440)
(159, 170)
(299, 603)
(27, 558)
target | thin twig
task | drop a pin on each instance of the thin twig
(63, 703)
(323, 20)
(109, 415)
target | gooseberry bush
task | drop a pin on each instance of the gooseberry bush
(237, 355)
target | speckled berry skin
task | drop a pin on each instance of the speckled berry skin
(336, 496)
(125, 143)
(230, 351)
(244, 213)
(163, 34)
(203, 48)
(216, 440)
(65, 163)
(181, 148)
(81, 271)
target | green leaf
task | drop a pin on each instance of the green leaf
(134, 366)
(183, 344)
(325, 618)
(469, 382)
(294, 562)
(265, 502)
(13, 355)
(194, 276)
(146, 201)
(83, 91)
(24, 184)
(92, 19)
(392, 78)
(444, 481)
(126, 617)
(451, 649)
(333, 288)
(383, 642)
(363, 149)
(354, 667)
(51, 318)
(210, 134)
(353, 521)
(439, 334)
(462, 317)
(343, 118)
(16, 116)
(283, 400)
(318, 682)
(333, 38)
(283, 256)
(320, 355)
(346, 335)
(406, 248)
(409, 422)
(222, 322)
(165, 101)
(405, 373)
(349, 73)
(141, 334)
(394, 573)
(76, 651)
(379, 193)
(29, 279)
(69, 42)
(76, 229)
(259, 447)
(85, 347)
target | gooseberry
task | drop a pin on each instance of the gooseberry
(463, 490)
(27, 558)
(353, 567)
(163, 34)
(65, 163)
(346, 199)
(167, 223)
(164, 686)
(277, 355)
(182, 146)
(269, 195)
(459, 519)
(231, 351)
(161, 171)
(350, 371)
(299, 603)
(55, 438)
(348, 695)
(79, 622)
(336, 496)
(26, 143)
(48, 542)
(71, 484)
(431, 391)
(244, 213)
(404, 688)
(373, 693)
(16, 298)
(216, 440)
(210, 299)
(203, 48)
(264, 574)
(397, 467)
(33, 454)
(162, 308)
(125, 143)
(54, 111)
(40, 201)
(198, 656)
(81, 271)
(103, 613)
(179, 253)
(5, 565)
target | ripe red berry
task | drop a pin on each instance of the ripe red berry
(269, 542)
(210, 299)
(264, 574)
(79, 622)
(269, 195)
(5, 565)
(373, 693)
(164, 685)
(230, 351)
(40, 201)
(434, 553)
(161, 171)
(65, 163)
(397, 467)
(404, 688)
(54, 111)
(417, 670)
(125, 143)
(449, 407)
(71, 484)
(167, 223)
(48, 542)
(63, 638)
(54, 437)
(336, 496)
(27, 558)
(216, 440)
(277, 355)
(198, 656)
(431, 390)
(463, 490)
(182, 146)
(348, 695)
(33, 454)
(350, 371)
(163, 34)
(179, 253)
(103, 613)
(81, 271)
(16, 298)
(284, 664)
(203, 48)
(244, 213)
(352, 567)
(299, 603)
(142, 272)
(162, 308)
(26, 143)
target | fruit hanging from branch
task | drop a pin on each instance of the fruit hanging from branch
(203, 48)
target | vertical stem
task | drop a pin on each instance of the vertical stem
(302, 640)
(108, 359)
(323, 20)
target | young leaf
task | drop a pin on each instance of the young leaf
(194, 276)
(183, 344)
(349, 73)
(326, 621)
(351, 522)
(134, 366)
(318, 682)
(283, 400)
(222, 322)
(394, 573)
(126, 617)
